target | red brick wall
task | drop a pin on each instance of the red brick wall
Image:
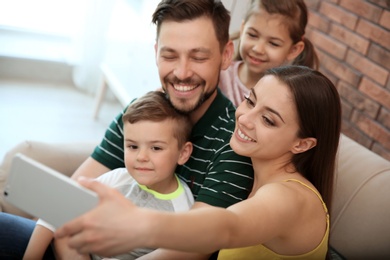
(352, 40)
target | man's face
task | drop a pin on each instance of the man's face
(189, 61)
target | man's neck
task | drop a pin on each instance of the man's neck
(196, 115)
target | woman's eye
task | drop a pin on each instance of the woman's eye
(268, 121)
(249, 101)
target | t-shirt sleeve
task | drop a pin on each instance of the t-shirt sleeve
(110, 150)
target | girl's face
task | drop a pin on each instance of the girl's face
(265, 42)
(267, 122)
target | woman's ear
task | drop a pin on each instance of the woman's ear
(303, 145)
(295, 50)
(185, 153)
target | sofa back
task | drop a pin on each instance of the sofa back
(360, 217)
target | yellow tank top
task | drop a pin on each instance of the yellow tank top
(262, 252)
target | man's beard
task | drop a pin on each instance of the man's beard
(188, 110)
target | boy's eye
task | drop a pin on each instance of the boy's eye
(133, 147)
(156, 148)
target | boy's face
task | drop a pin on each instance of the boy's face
(152, 153)
(189, 61)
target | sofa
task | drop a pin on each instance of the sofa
(360, 218)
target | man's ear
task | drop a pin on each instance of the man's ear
(295, 50)
(227, 55)
(155, 52)
(185, 153)
(303, 145)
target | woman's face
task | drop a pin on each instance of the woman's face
(266, 122)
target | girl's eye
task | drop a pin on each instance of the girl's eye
(252, 35)
(249, 101)
(275, 44)
(268, 121)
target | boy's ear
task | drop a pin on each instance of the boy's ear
(295, 50)
(185, 153)
(227, 55)
(303, 145)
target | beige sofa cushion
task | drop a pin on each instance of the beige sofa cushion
(360, 218)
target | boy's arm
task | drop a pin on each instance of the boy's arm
(39, 241)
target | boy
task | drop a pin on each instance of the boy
(155, 142)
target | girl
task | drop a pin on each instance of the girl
(271, 35)
(290, 126)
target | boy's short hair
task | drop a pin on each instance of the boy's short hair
(154, 106)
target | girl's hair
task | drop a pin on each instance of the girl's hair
(319, 113)
(295, 18)
(187, 10)
(154, 106)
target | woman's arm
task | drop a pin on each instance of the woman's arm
(204, 230)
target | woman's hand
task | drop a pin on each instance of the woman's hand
(108, 229)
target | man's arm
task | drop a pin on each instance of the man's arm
(90, 168)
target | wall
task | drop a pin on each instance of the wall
(352, 39)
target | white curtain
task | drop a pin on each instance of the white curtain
(90, 44)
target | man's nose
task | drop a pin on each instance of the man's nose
(183, 69)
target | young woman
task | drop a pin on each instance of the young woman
(272, 34)
(290, 126)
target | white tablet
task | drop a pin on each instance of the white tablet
(46, 193)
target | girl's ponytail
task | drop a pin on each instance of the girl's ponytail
(308, 56)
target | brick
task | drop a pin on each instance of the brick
(354, 133)
(334, 79)
(367, 67)
(339, 15)
(372, 129)
(312, 4)
(381, 151)
(380, 55)
(384, 117)
(348, 37)
(362, 9)
(346, 109)
(328, 44)
(385, 19)
(382, 3)
(376, 92)
(374, 32)
(319, 22)
(339, 69)
(358, 100)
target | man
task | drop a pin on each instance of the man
(192, 46)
